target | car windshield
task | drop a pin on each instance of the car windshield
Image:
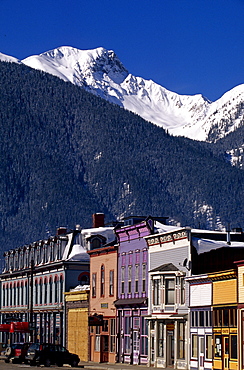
(17, 346)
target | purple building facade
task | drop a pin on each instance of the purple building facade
(132, 302)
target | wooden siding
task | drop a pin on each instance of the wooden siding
(78, 332)
(225, 292)
(241, 284)
(173, 254)
(200, 295)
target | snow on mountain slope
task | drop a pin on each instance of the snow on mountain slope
(101, 72)
(7, 58)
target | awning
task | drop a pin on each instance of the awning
(131, 302)
(167, 317)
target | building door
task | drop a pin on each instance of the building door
(170, 348)
(225, 353)
(104, 348)
(201, 353)
(136, 347)
(136, 340)
(152, 342)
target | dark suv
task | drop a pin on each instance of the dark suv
(50, 354)
(16, 352)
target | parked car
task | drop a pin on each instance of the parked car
(16, 352)
(50, 354)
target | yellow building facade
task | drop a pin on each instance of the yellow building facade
(77, 333)
(225, 333)
(240, 312)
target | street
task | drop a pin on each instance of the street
(10, 366)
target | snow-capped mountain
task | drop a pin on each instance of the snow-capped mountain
(7, 58)
(101, 72)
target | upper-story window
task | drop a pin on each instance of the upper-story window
(111, 282)
(51, 252)
(122, 279)
(40, 291)
(36, 291)
(169, 291)
(45, 291)
(156, 291)
(182, 290)
(136, 278)
(50, 290)
(94, 283)
(38, 259)
(96, 243)
(3, 295)
(21, 259)
(129, 278)
(61, 288)
(16, 260)
(144, 274)
(56, 289)
(102, 292)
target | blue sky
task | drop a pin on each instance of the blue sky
(187, 46)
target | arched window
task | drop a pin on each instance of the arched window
(84, 278)
(3, 296)
(102, 280)
(45, 291)
(14, 295)
(17, 293)
(61, 288)
(50, 290)
(7, 295)
(10, 295)
(26, 293)
(56, 289)
(40, 291)
(21, 294)
(36, 291)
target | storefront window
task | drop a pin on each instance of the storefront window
(97, 340)
(127, 344)
(217, 346)
(181, 340)
(209, 346)
(194, 345)
(112, 335)
(160, 339)
(233, 346)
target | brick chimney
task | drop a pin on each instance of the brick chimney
(98, 220)
(61, 230)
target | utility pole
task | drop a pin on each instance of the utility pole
(31, 301)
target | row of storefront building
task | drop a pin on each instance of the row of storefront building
(136, 292)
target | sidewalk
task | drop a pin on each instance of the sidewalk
(118, 366)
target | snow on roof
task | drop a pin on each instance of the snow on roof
(78, 253)
(107, 232)
(80, 288)
(161, 228)
(206, 245)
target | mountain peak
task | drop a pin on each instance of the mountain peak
(101, 72)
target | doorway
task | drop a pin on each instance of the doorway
(170, 348)
(225, 353)
(104, 348)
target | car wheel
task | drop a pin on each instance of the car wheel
(7, 360)
(47, 362)
(74, 363)
(8, 351)
(59, 364)
(32, 363)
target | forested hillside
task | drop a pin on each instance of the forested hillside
(66, 154)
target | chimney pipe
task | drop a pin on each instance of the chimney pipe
(98, 220)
